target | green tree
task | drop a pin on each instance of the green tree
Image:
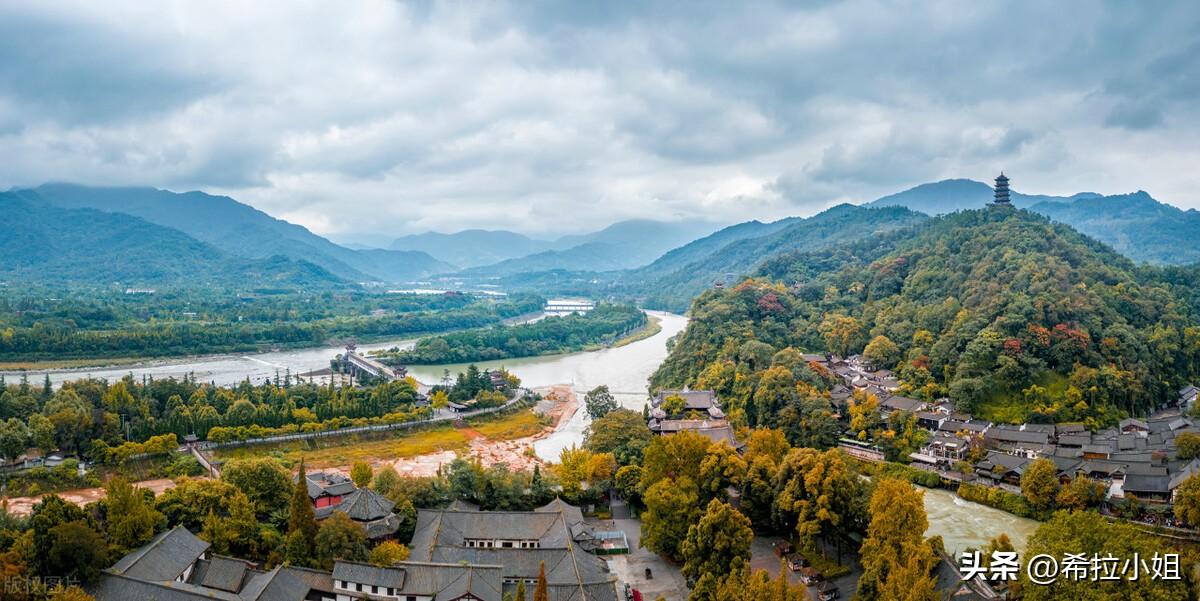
(52, 511)
(1040, 483)
(673, 405)
(361, 473)
(621, 432)
(76, 551)
(339, 537)
(676, 456)
(14, 438)
(302, 523)
(599, 402)
(1089, 534)
(671, 505)
(816, 494)
(264, 481)
(897, 561)
(721, 469)
(131, 519)
(1081, 493)
(717, 543)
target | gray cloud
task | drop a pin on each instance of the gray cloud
(387, 117)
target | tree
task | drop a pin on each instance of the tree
(1187, 501)
(896, 559)
(387, 480)
(673, 405)
(69, 593)
(361, 473)
(676, 456)
(439, 399)
(1082, 492)
(131, 519)
(76, 551)
(339, 537)
(842, 334)
(48, 514)
(1188, 444)
(520, 594)
(622, 432)
(388, 553)
(744, 585)
(14, 438)
(721, 469)
(671, 505)
(599, 401)
(628, 483)
(1040, 483)
(816, 492)
(263, 480)
(718, 543)
(302, 523)
(542, 592)
(882, 352)
(1089, 534)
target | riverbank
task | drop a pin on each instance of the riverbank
(653, 326)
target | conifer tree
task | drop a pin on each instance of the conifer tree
(302, 524)
(541, 593)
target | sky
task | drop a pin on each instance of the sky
(369, 120)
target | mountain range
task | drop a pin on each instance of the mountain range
(47, 243)
(1136, 225)
(243, 231)
(622, 245)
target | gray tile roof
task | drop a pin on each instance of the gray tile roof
(365, 505)
(224, 573)
(365, 573)
(163, 558)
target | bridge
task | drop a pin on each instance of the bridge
(358, 365)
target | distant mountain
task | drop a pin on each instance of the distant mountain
(52, 245)
(674, 289)
(622, 245)
(244, 231)
(472, 248)
(947, 196)
(1136, 225)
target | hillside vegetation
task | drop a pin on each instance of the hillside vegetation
(1010, 314)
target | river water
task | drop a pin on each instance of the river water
(625, 370)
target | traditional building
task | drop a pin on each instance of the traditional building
(520, 541)
(1001, 198)
(176, 566)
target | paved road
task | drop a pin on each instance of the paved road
(666, 579)
(762, 557)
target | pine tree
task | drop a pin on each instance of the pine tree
(302, 524)
(521, 594)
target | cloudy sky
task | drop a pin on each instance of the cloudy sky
(383, 118)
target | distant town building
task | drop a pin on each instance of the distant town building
(560, 307)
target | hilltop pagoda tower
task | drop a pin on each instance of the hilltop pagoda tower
(1001, 198)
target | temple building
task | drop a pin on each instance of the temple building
(1001, 199)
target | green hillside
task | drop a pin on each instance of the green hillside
(50, 245)
(1011, 315)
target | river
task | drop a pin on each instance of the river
(625, 370)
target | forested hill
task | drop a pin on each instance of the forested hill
(50, 245)
(243, 231)
(674, 290)
(1010, 314)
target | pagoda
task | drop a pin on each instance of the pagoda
(1001, 199)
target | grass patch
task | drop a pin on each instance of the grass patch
(345, 450)
(67, 363)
